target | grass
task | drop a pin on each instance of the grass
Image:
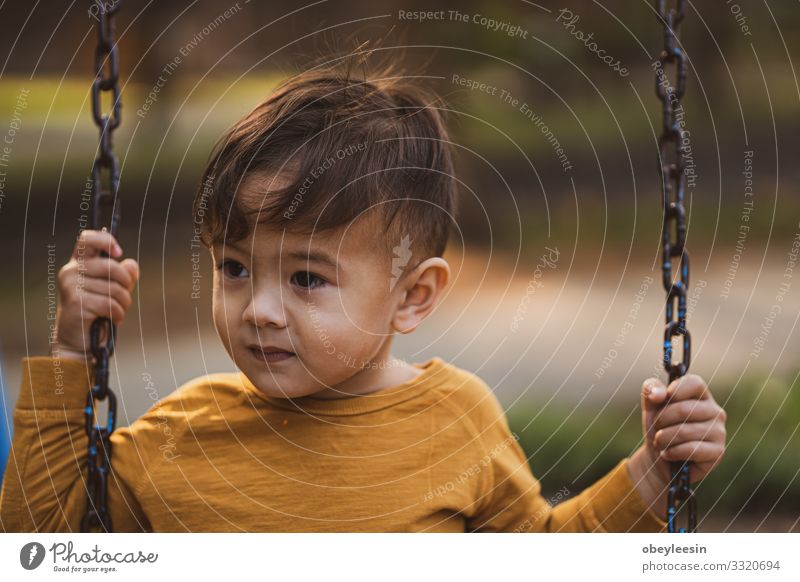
(760, 471)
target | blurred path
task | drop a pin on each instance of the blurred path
(575, 338)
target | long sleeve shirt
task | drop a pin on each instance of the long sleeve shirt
(434, 454)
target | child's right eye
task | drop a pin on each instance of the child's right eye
(232, 269)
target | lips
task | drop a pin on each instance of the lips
(269, 354)
(268, 349)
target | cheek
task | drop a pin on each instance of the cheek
(225, 312)
(219, 323)
(323, 329)
(363, 314)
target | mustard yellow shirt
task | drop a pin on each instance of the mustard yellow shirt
(434, 454)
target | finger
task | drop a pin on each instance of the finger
(653, 392)
(94, 306)
(697, 451)
(133, 270)
(107, 269)
(686, 387)
(653, 395)
(693, 431)
(92, 242)
(688, 411)
(106, 288)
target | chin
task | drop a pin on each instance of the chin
(274, 383)
(269, 381)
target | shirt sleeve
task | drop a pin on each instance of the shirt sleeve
(44, 488)
(513, 501)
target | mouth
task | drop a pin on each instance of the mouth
(269, 354)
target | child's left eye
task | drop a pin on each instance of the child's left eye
(307, 280)
(232, 269)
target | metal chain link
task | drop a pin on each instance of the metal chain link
(673, 185)
(103, 331)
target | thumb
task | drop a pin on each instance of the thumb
(654, 394)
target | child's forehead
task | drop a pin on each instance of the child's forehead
(360, 240)
(341, 248)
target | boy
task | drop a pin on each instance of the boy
(326, 210)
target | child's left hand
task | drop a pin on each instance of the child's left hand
(681, 422)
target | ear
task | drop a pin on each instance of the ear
(421, 290)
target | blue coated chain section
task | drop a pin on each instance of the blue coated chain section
(673, 187)
(105, 187)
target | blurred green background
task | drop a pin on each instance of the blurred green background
(603, 214)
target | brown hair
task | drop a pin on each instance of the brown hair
(346, 145)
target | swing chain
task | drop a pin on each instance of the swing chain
(103, 329)
(671, 152)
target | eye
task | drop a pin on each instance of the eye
(307, 280)
(232, 269)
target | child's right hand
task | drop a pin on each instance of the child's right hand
(91, 286)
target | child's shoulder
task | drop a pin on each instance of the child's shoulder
(200, 395)
(468, 393)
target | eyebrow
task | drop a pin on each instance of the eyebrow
(312, 256)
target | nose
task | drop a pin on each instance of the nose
(265, 308)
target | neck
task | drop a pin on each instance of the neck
(378, 373)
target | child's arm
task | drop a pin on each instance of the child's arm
(512, 499)
(631, 497)
(44, 486)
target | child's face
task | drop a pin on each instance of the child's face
(334, 311)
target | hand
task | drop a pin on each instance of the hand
(681, 422)
(90, 286)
